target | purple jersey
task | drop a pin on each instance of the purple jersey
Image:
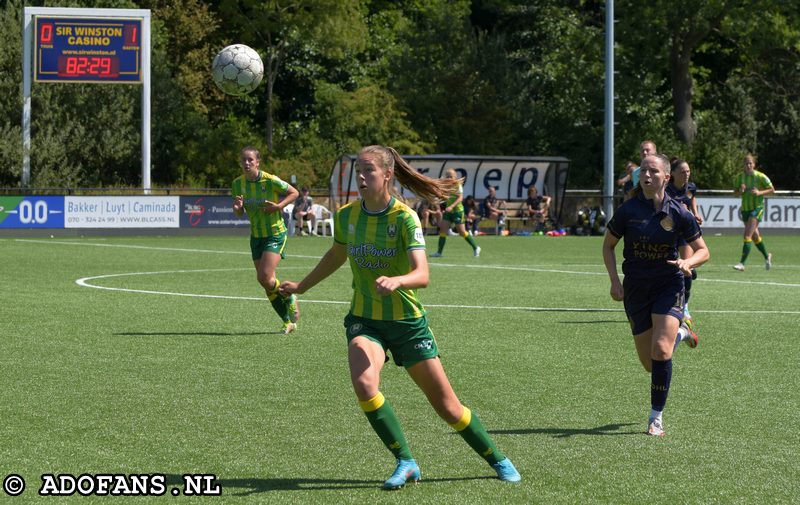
(651, 235)
(683, 195)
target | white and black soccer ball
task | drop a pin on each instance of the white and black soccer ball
(237, 69)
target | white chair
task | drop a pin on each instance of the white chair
(324, 218)
(288, 218)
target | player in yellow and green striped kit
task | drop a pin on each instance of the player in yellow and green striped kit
(263, 196)
(752, 185)
(454, 213)
(383, 240)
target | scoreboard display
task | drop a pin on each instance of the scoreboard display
(74, 49)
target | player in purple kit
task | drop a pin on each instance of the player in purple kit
(683, 191)
(650, 224)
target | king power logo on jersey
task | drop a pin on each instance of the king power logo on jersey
(724, 212)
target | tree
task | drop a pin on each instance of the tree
(10, 94)
(270, 25)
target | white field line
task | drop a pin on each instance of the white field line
(130, 246)
(85, 282)
(437, 264)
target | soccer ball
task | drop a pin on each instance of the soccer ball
(237, 70)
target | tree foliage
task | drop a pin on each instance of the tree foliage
(707, 80)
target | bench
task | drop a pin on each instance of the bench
(515, 218)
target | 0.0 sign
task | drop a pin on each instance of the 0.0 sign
(33, 212)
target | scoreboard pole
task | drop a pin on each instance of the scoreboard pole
(27, 72)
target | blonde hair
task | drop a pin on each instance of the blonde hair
(643, 142)
(408, 177)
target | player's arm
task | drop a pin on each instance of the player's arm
(238, 205)
(693, 209)
(739, 189)
(290, 196)
(699, 256)
(333, 259)
(417, 278)
(762, 192)
(610, 260)
(453, 205)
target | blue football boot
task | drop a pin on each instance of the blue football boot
(407, 470)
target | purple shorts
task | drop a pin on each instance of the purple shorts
(645, 297)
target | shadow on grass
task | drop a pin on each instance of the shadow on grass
(601, 321)
(248, 486)
(571, 311)
(607, 430)
(196, 333)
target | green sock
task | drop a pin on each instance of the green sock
(385, 423)
(471, 241)
(746, 250)
(278, 302)
(761, 247)
(472, 431)
(442, 240)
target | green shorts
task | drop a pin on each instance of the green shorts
(455, 217)
(274, 244)
(756, 214)
(409, 340)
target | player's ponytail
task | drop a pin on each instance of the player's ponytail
(408, 177)
(675, 163)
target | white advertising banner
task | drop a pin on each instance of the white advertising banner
(121, 212)
(724, 212)
(511, 176)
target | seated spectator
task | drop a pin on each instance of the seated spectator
(302, 211)
(429, 214)
(472, 214)
(492, 208)
(537, 208)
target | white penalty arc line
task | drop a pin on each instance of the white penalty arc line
(519, 269)
(150, 248)
(433, 264)
(574, 272)
(84, 281)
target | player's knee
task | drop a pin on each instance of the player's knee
(663, 351)
(449, 408)
(267, 281)
(365, 386)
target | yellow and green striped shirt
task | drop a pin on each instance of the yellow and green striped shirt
(266, 187)
(452, 198)
(378, 244)
(757, 180)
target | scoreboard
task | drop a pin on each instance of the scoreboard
(75, 49)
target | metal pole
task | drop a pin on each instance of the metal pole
(27, 40)
(146, 103)
(608, 185)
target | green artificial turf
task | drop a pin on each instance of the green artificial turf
(159, 355)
